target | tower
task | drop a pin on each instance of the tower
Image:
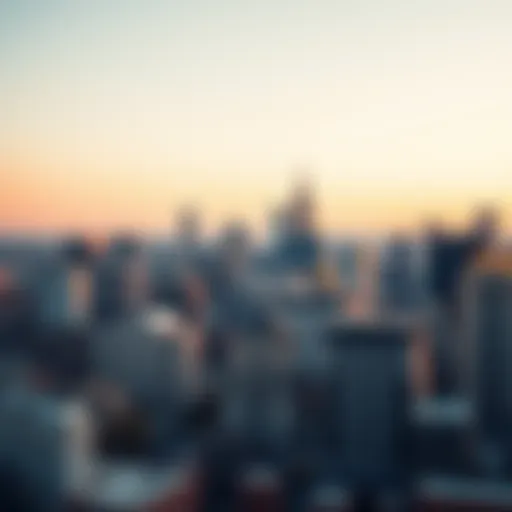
(489, 354)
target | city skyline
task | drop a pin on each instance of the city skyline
(114, 115)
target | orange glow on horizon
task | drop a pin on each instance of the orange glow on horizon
(42, 197)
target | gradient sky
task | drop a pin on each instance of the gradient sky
(115, 112)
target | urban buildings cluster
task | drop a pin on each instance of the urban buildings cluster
(299, 374)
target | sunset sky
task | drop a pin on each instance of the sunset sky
(113, 113)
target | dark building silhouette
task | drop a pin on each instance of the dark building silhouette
(489, 351)
(114, 288)
(373, 399)
(398, 289)
(450, 256)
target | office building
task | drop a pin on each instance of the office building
(234, 248)
(121, 281)
(63, 285)
(298, 247)
(259, 407)
(488, 354)
(189, 229)
(397, 281)
(367, 363)
(347, 257)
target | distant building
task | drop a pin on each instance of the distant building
(448, 259)
(188, 227)
(121, 285)
(17, 316)
(364, 302)
(58, 283)
(298, 248)
(449, 256)
(398, 283)
(188, 244)
(235, 248)
(277, 227)
(347, 256)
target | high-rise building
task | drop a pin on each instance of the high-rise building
(17, 326)
(299, 246)
(488, 357)
(257, 390)
(235, 244)
(398, 287)
(368, 365)
(188, 228)
(187, 247)
(301, 209)
(450, 255)
(364, 301)
(64, 285)
(277, 227)
(347, 256)
(121, 279)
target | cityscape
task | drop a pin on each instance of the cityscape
(295, 374)
(255, 256)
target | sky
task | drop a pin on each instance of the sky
(114, 113)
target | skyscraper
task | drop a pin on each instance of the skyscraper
(299, 246)
(489, 354)
(397, 281)
(64, 285)
(120, 280)
(369, 368)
